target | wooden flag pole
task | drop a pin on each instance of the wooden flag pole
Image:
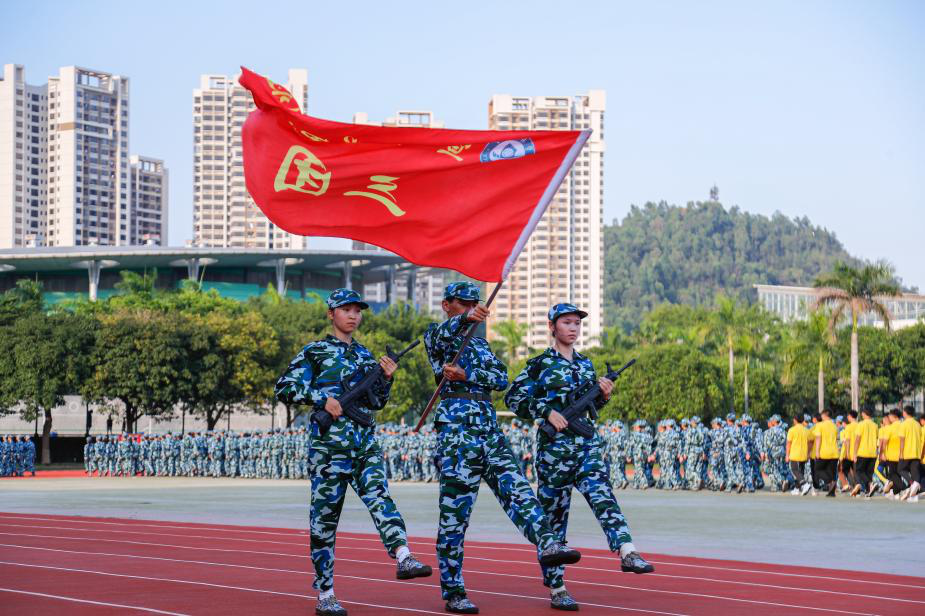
(462, 347)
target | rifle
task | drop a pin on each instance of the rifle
(360, 394)
(581, 401)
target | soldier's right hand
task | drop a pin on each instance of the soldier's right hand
(453, 372)
(558, 421)
(477, 314)
(332, 406)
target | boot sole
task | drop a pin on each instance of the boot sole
(570, 608)
(637, 571)
(557, 560)
(427, 571)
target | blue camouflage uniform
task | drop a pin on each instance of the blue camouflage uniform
(568, 460)
(348, 453)
(471, 446)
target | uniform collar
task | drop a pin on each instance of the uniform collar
(332, 339)
(553, 353)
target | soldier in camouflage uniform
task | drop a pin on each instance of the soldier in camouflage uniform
(641, 451)
(619, 449)
(774, 446)
(695, 456)
(752, 438)
(717, 463)
(540, 392)
(471, 446)
(348, 452)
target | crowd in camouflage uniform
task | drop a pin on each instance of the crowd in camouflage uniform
(735, 454)
(17, 455)
(274, 454)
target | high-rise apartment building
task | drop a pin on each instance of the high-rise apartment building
(224, 214)
(149, 201)
(427, 282)
(64, 161)
(563, 260)
(23, 159)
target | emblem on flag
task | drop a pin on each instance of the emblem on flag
(507, 150)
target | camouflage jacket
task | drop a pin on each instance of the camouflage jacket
(544, 385)
(316, 374)
(484, 371)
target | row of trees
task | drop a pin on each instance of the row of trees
(149, 352)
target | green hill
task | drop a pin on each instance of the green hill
(685, 255)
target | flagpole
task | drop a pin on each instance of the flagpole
(462, 347)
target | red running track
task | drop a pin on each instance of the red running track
(73, 565)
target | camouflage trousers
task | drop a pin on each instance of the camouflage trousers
(640, 472)
(736, 474)
(469, 454)
(693, 470)
(753, 465)
(669, 477)
(618, 470)
(331, 472)
(561, 466)
(777, 470)
(717, 471)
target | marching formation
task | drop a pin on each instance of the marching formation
(17, 456)
(554, 444)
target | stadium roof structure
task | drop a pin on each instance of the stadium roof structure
(254, 268)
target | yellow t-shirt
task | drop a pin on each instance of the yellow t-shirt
(910, 430)
(867, 447)
(923, 442)
(827, 433)
(812, 440)
(798, 437)
(892, 445)
(847, 441)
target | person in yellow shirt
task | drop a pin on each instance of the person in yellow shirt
(810, 422)
(889, 453)
(864, 453)
(845, 459)
(910, 450)
(797, 454)
(826, 448)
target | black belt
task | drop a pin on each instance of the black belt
(475, 397)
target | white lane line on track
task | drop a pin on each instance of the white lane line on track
(223, 586)
(88, 601)
(288, 594)
(491, 560)
(432, 544)
(368, 562)
(154, 524)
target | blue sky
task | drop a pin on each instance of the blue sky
(807, 108)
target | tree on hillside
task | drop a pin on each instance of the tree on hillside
(686, 255)
(851, 292)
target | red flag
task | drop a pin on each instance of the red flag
(461, 199)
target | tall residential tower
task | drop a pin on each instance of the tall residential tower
(224, 214)
(563, 260)
(64, 162)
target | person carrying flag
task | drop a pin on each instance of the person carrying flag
(347, 453)
(568, 460)
(471, 446)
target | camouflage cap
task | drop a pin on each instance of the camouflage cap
(342, 297)
(695, 419)
(563, 309)
(685, 421)
(462, 289)
(840, 418)
(730, 417)
(746, 417)
(807, 417)
(717, 421)
(774, 417)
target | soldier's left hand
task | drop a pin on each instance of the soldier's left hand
(606, 387)
(388, 366)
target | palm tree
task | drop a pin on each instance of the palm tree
(856, 291)
(726, 325)
(512, 336)
(813, 338)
